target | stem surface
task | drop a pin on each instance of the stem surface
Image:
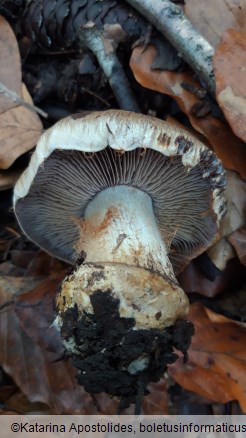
(120, 227)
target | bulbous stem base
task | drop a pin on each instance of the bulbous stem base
(118, 342)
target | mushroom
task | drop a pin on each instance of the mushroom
(130, 200)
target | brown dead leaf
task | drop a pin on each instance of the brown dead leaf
(23, 258)
(17, 285)
(221, 253)
(216, 368)
(230, 149)
(235, 194)
(20, 404)
(156, 403)
(42, 264)
(36, 313)
(35, 371)
(19, 127)
(29, 263)
(10, 66)
(230, 75)
(212, 18)
(238, 240)
(9, 269)
(218, 318)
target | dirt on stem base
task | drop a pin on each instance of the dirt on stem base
(112, 356)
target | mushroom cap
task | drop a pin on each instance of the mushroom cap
(82, 155)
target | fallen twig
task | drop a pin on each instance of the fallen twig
(90, 36)
(170, 20)
(16, 98)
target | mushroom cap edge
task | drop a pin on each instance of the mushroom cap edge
(120, 130)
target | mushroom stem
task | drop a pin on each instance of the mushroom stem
(121, 311)
(120, 227)
(125, 256)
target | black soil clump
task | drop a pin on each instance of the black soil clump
(107, 346)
